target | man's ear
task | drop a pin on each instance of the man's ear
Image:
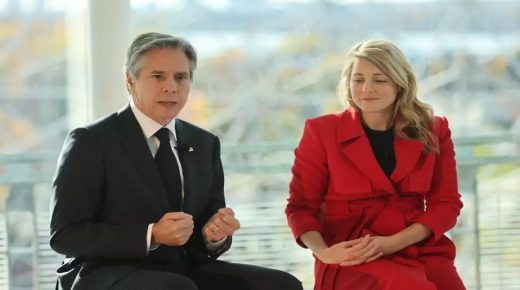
(129, 82)
(129, 79)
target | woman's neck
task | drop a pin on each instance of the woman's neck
(377, 121)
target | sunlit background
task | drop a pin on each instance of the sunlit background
(265, 66)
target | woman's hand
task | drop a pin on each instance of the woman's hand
(349, 253)
(374, 248)
(379, 246)
(366, 249)
(355, 252)
(386, 245)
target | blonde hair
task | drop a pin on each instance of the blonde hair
(412, 118)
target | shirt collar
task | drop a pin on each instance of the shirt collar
(150, 126)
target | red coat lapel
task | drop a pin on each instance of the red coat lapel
(356, 147)
(407, 153)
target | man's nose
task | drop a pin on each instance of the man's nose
(170, 86)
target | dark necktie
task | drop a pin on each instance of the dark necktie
(167, 165)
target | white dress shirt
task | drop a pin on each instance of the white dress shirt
(150, 127)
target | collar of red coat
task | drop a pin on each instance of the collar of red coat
(355, 145)
(349, 126)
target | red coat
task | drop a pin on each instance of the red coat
(339, 189)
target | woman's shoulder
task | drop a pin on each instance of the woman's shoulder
(440, 125)
(332, 118)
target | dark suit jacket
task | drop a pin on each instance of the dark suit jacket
(107, 190)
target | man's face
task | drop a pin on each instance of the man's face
(162, 85)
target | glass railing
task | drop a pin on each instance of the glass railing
(257, 177)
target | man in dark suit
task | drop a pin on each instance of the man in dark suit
(139, 195)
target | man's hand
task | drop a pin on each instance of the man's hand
(173, 229)
(221, 225)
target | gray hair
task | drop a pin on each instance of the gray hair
(153, 40)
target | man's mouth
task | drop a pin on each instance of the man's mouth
(167, 103)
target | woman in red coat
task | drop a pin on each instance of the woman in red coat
(374, 187)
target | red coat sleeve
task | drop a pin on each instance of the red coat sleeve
(443, 202)
(308, 184)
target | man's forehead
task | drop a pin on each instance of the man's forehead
(166, 59)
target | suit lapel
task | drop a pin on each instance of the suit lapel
(134, 143)
(356, 147)
(186, 151)
(407, 153)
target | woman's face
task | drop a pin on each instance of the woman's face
(372, 91)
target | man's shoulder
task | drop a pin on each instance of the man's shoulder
(194, 130)
(102, 127)
(102, 123)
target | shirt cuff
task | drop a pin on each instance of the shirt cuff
(215, 246)
(149, 245)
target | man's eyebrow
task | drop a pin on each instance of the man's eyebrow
(180, 73)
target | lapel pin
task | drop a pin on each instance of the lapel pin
(191, 149)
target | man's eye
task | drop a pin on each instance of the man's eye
(181, 77)
(357, 80)
(381, 81)
(156, 76)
